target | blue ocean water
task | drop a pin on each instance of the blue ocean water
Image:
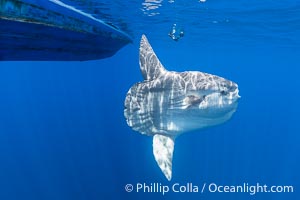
(62, 130)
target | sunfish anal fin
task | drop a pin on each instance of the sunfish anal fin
(163, 147)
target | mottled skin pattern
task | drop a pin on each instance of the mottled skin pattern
(151, 105)
(167, 104)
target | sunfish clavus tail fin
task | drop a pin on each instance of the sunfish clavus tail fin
(163, 147)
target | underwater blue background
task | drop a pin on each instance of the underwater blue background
(63, 134)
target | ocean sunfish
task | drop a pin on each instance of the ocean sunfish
(167, 104)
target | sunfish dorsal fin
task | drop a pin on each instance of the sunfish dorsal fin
(151, 67)
(163, 147)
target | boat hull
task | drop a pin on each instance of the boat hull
(29, 31)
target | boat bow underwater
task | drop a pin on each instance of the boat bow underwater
(51, 30)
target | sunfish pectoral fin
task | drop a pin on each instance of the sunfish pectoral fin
(163, 147)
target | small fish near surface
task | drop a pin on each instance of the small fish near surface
(167, 104)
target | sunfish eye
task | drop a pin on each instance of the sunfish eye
(223, 92)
